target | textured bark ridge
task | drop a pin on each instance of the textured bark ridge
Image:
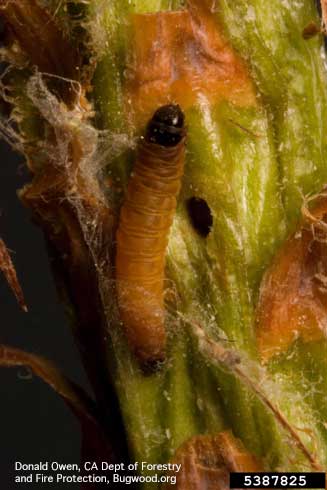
(243, 381)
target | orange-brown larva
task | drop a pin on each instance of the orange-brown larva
(145, 219)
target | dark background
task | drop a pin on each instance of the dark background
(35, 424)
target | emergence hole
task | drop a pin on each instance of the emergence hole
(200, 215)
(76, 10)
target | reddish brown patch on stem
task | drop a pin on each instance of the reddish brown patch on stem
(183, 57)
(293, 293)
(8, 269)
(311, 30)
(207, 460)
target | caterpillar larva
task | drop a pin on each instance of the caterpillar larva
(145, 219)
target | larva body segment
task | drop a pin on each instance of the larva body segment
(145, 219)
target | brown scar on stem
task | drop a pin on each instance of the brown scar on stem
(311, 30)
(293, 293)
(207, 460)
(182, 56)
(8, 269)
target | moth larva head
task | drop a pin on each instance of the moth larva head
(166, 128)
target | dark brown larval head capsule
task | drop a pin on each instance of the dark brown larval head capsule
(166, 128)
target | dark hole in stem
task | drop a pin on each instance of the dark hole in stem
(152, 366)
(76, 10)
(200, 215)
